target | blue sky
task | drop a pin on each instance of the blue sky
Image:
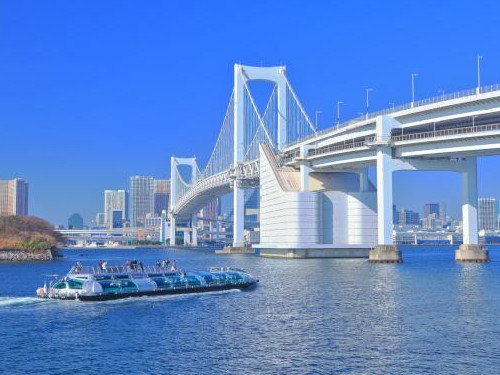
(92, 92)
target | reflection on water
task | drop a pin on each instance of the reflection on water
(317, 316)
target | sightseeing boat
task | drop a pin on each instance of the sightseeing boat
(88, 283)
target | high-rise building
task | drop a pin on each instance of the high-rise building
(141, 199)
(14, 197)
(488, 210)
(442, 211)
(75, 221)
(395, 215)
(212, 209)
(431, 208)
(99, 219)
(116, 219)
(115, 200)
(408, 217)
(432, 221)
(161, 196)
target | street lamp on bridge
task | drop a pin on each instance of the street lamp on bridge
(368, 90)
(338, 111)
(413, 75)
(316, 124)
(478, 89)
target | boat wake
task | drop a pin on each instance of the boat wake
(6, 302)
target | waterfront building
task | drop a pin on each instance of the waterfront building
(488, 210)
(115, 200)
(151, 221)
(161, 196)
(14, 197)
(75, 221)
(141, 199)
(408, 217)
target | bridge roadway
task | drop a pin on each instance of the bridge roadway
(445, 133)
(109, 234)
(205, 190)
(456, 127)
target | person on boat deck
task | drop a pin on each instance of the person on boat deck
(104, 265)
(100, 264)
(141, 266)
(78, 266)
(133, 265)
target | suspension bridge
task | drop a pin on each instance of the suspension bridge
(234, 162)
(315, 195)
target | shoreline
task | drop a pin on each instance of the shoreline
(25, 255)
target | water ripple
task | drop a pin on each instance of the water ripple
(426, 316)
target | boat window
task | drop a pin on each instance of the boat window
(120, 277)
(81, 277)
(59, 285)
(75, 284)
(117, 286)
(155, 274)
(161, 282)
(103, 277)
(171, 274)
(128, 285)
(110, 286)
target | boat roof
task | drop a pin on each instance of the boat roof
(120, 269)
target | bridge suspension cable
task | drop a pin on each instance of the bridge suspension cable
(256, 130)
(299, 125)
(221, 158)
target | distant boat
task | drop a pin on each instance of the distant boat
(88, 283)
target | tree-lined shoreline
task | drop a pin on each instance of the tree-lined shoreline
(27, 238)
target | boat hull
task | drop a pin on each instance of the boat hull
(162, 292)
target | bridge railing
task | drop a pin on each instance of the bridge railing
(446, 132)
(373, 141)
(288, 157)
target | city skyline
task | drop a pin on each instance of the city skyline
(78, 97)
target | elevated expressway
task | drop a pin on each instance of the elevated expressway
(444, 134)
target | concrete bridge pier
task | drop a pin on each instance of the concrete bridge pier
(186, 238)
(386, 251)
(470, 250)
(194, 232)
(172, 230)
(238, 216)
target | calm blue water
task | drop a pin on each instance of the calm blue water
(314, 316)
